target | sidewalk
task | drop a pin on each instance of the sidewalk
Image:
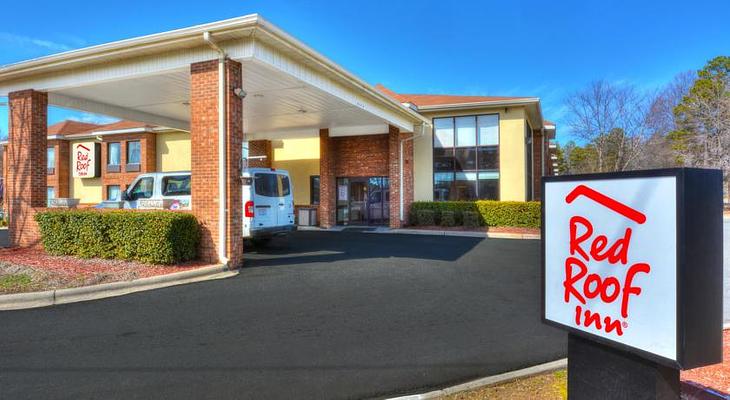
(503, 233)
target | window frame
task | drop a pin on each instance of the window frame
(50, 166)
(132, 166)
(312, 178)
(119, 190)
(166, 178)
(456, 168)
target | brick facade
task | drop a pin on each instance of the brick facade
(27, 152)
(124, 176)
(364, 156)
(260, 148)
(204, 157)
(58, 177)
(327, 182)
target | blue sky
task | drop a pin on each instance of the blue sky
(510, 48)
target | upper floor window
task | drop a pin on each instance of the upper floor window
(466, 157)
(114, 154)
(51, 160)
(134, 152)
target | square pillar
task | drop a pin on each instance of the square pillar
(537, 163)
(395, 137)
(26, 167)
(204, 158)
(327, 181)
(260, 148)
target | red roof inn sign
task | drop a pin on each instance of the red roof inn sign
(634, 261)
(86, 160)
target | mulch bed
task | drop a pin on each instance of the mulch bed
(484, 229)
(47, 272)
(717, 376)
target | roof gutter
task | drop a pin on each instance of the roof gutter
(480, 104)
(222, 139)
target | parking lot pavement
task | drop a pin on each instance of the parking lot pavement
(322, 315)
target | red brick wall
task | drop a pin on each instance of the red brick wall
(204, 157)
(327, 190)
(363, 156)
(260, 148)
(360, 155)
(60, 177)
(148, 161)
(28, 143)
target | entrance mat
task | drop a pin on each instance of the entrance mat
(360, 229)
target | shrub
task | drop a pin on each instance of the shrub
(448, 218)
(510, 213)
(159, 237)
(471, 219)
(425, 217)
(490, 212)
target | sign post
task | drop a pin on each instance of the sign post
(632, 269)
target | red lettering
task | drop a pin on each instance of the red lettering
(629, 289)
(592, 318)
(620, 250)
(575, 240)
(610, 281)
(592, 278)
(612, 325)
(570, 279)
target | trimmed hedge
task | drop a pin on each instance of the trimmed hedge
(157, 237)
(491, 212)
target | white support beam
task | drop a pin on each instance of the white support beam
(115, 111)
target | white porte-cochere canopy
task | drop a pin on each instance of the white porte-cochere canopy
(291, 90)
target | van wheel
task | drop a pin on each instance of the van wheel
(261, 242)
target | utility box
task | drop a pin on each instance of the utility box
(307, 216)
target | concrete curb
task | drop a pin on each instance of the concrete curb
(72, 295)
(490, 235)
(490, 380)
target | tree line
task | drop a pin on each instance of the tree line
(621, 127)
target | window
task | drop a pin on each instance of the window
(50, 192)
(113, 193)
(134, 152)
(466, 158)
(443, 132)
(266, 185)
(314, 190)
(143, 189)
(284, 189)
(178, 185)
(51, 160)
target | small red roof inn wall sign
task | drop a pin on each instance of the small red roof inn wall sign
(86, 160)
(634, 260)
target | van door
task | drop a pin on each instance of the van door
(265, 199)
(286, 205)
(176, 188)
(143, 188)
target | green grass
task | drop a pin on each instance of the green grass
(15, 282)
(561, 383)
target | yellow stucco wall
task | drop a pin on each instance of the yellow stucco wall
(301, 158)
(173, 151)
(511, 154)
(89, 190)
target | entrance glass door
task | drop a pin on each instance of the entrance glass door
(363, 201)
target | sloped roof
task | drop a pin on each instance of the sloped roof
(70, 127)
(441, 99)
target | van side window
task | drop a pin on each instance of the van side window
(143, 189)
(284, 189)
(176, 185)
(266, 185)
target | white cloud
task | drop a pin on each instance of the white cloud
(25, 41)
(93, 118)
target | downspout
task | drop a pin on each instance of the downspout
(400, 162)
(222, 138)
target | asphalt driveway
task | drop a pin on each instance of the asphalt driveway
(320, 315)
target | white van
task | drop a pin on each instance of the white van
(268, 203)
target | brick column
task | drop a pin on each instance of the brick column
(26, 185)
(260, 148)
(537, 163)
(204, 157)
(327, 183)
(394, 140)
